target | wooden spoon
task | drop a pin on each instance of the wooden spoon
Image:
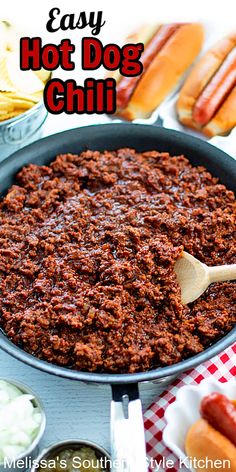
(194, 277)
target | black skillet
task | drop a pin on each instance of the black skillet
(127, 434)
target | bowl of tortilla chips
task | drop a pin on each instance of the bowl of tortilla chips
(22, 111)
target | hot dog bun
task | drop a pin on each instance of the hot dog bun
(203, 442)
(202, 76)
(165, 68)
(225, 119)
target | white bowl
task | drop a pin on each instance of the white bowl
(31, 452)
(181, 414)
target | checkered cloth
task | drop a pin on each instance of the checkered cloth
(222, 367)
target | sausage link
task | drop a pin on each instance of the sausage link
(216, 91)
(126, 85)
(220, 413)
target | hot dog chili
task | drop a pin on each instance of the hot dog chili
(126, 85)
(87, 249)
(216, 91)
(220, 412)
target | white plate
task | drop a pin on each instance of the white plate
(181, 414)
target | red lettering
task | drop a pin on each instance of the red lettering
(53, 103)
(97, 96)
(66, 49)
(110, 96)
(50, 57)
(33, 56)
(91, 103)
(100, 97)
(111, 56)
(30, 53)
(131, 66)
(91, 53)
(74, 97)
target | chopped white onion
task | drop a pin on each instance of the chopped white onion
(20, 421)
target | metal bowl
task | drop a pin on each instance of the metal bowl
(30, 453)
(56, 448)
(21, 130)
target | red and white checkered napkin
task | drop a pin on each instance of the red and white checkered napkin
(222, 367)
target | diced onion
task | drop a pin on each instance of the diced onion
(20, 421)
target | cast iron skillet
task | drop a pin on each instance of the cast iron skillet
(111, 137)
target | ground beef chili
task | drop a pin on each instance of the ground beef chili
(87, 249)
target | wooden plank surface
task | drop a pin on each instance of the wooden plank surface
(73, 409)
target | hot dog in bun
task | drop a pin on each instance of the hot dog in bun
(207, 100)
(168, 52)
(213, 437)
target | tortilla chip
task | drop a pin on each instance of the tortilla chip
(5, 82)
(43, 75)
(23, 96)
(6, 106)
(22, 104)
(8, 116)
(24, 81)
(19, 90)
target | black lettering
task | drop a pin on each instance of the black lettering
(97, 25)
(82, 21)
(49, 24)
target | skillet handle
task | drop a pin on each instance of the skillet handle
(127, 431)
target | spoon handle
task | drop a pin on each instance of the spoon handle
(222, 273)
